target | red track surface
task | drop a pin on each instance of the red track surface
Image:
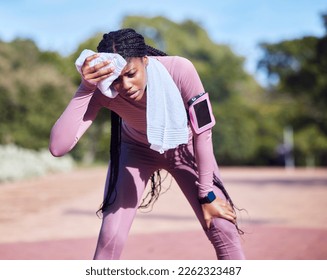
(54, 217)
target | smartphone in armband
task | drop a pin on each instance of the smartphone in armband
(200, 113)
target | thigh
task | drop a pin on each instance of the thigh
(136, 165)
(134, 172)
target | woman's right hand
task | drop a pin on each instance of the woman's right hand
(96, 73)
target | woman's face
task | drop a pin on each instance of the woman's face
(133, 78)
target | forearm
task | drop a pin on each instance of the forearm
(73, 122)
(205, 162)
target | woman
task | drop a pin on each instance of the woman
(161, 119)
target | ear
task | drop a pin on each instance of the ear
(146, 60)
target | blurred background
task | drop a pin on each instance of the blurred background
(264, 64)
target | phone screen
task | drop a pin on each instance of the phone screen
(202, 113)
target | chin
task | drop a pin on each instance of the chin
(139, 97)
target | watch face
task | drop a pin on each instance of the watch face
(211, 196)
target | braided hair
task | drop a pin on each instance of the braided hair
(128, 43)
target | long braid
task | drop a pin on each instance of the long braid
(115, 141)
(127, 43)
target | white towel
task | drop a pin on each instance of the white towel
(116, 61)
(166, 114)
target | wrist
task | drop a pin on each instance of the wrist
(88, 85)
(210, 197)
(204, 188)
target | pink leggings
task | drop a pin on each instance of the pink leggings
(137, 164)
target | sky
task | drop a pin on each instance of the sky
(61, 25)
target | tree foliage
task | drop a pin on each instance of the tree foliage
(298, 70)
(33, 92)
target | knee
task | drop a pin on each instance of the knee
(109, 247)
(223, 228)
(222, 234)
(111, 241)
(225, 238)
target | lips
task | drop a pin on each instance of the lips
(133, 94)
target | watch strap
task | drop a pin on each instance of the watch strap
(208, 198)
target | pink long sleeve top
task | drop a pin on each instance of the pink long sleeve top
(88, 100)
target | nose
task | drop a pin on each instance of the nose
(126, 84)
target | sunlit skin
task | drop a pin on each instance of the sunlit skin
(133, 79)
(132, 83)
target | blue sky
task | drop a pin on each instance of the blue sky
(60, 25)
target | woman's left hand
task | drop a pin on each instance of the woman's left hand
(218, 208)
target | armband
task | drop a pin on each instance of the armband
(200, 113)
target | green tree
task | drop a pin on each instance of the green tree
(33, 92)
(297, 70)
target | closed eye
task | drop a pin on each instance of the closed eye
(131, 75)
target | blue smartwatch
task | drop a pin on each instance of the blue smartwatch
(210, 197)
